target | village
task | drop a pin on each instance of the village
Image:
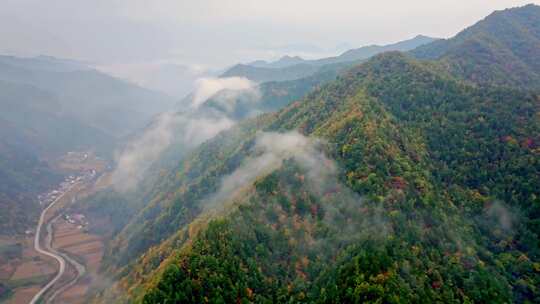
(22, 274)
(77, 219)
(47, 198)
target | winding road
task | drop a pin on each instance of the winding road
(48, 251)
(81, 269)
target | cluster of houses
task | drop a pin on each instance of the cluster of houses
(49, 197)
(76, 219)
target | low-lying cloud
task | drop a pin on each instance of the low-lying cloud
(189, 128)
(199, 130)
(272, 149)
(137, 155)
(209, 86)
(500, 220)
(321, 177)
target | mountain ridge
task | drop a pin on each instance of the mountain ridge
(424, 191)
(294, 67)
(379, 139)
(504, 43)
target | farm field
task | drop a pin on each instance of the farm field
(85, 248)
(25, 273)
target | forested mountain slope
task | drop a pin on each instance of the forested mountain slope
(22, 176)
(260, 74)
(96, 99)
(434, 189)
(38, 119)
(502, 49)
(401, 181)
(188, 130)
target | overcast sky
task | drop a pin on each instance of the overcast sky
(216, 33)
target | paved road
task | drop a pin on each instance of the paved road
(37, 246)
(81, 269)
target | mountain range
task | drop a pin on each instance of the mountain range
(409, 177)
(291, 68)
(502, 49)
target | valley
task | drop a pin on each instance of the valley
(406, 172)
(58, 261)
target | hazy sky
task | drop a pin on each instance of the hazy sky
(220, 32)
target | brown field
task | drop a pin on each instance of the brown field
(33, 263)
(77, 242)
(27, 273)
(6, 240)
(66, 234)
(6, 271)
(73, 295)
(23, 295)
(30, 272)
(32, 269)
(85, 247)
(8, 264)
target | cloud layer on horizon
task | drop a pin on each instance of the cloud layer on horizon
(218, 33)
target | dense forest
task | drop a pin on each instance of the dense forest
(409, 178)
(503, 49)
